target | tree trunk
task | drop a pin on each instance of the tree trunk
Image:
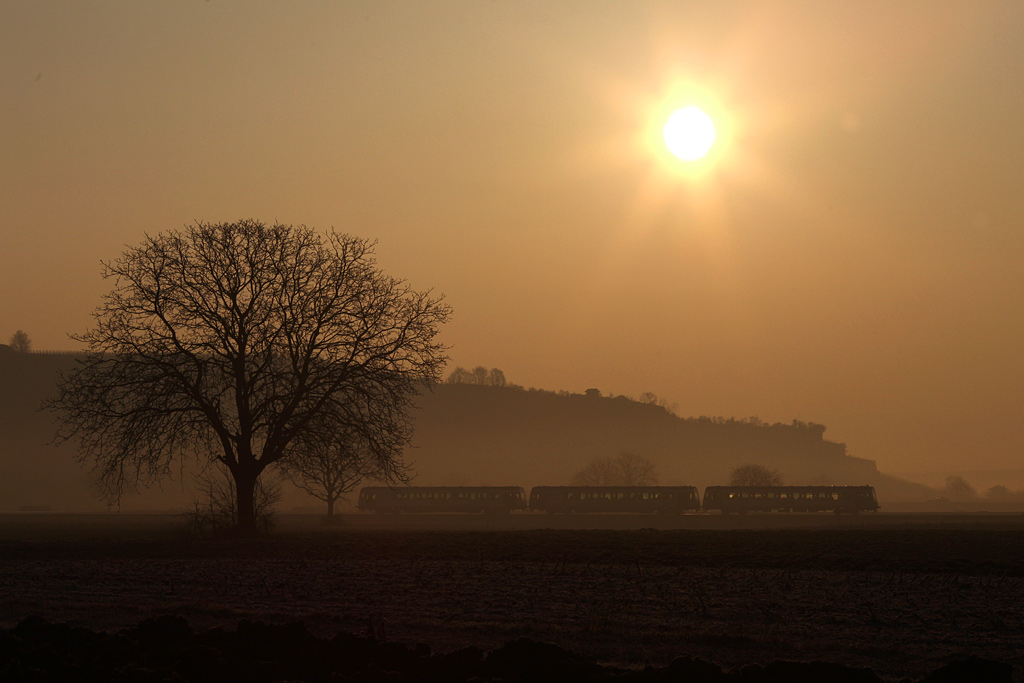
(245, 488)
(330, 507)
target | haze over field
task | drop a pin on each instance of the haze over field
(847, 253)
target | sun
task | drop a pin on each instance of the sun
(689, 133)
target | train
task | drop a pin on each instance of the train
(384, 499)
(838, 499)
(660, 499)
(618, 499)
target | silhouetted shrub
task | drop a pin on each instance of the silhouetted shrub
(971, 670)
(165, 650)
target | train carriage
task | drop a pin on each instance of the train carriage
(660, 499)
(837, 499)
(418, 499)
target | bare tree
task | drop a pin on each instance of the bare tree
(20, 342)
(625, 469)
(597, 472)
(496, 378)
(225, 342)
(328, 466)
(652, 399)
(636, 470)
(755, 475)
(999, 493)
(460, 375)
(958, 488)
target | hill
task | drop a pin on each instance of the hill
(34, 472)
(465, 434)
(477, 435)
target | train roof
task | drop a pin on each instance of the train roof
(436, 488)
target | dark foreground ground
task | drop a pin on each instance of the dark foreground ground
(903, 596)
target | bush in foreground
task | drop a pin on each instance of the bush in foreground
(166, 650)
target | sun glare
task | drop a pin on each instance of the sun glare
(689, 133)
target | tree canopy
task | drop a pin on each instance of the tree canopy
(959, 489)
(20, 342)
(328, 465)
(753, 474)
(226, 342)
(624, 469)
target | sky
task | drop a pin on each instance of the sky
(848, 253)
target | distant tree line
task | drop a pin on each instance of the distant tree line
(958, 489)
(478, 375)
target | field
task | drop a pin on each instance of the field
(901, 594)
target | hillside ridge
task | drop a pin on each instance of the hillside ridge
(464, 434)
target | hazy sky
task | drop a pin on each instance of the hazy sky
(849, 253)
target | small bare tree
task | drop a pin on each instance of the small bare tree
(597, 472)
(652, 399)
(753, 474)
(331, 464)
(635, 469)
(625, 469)
(20, 342)
(958, 488)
